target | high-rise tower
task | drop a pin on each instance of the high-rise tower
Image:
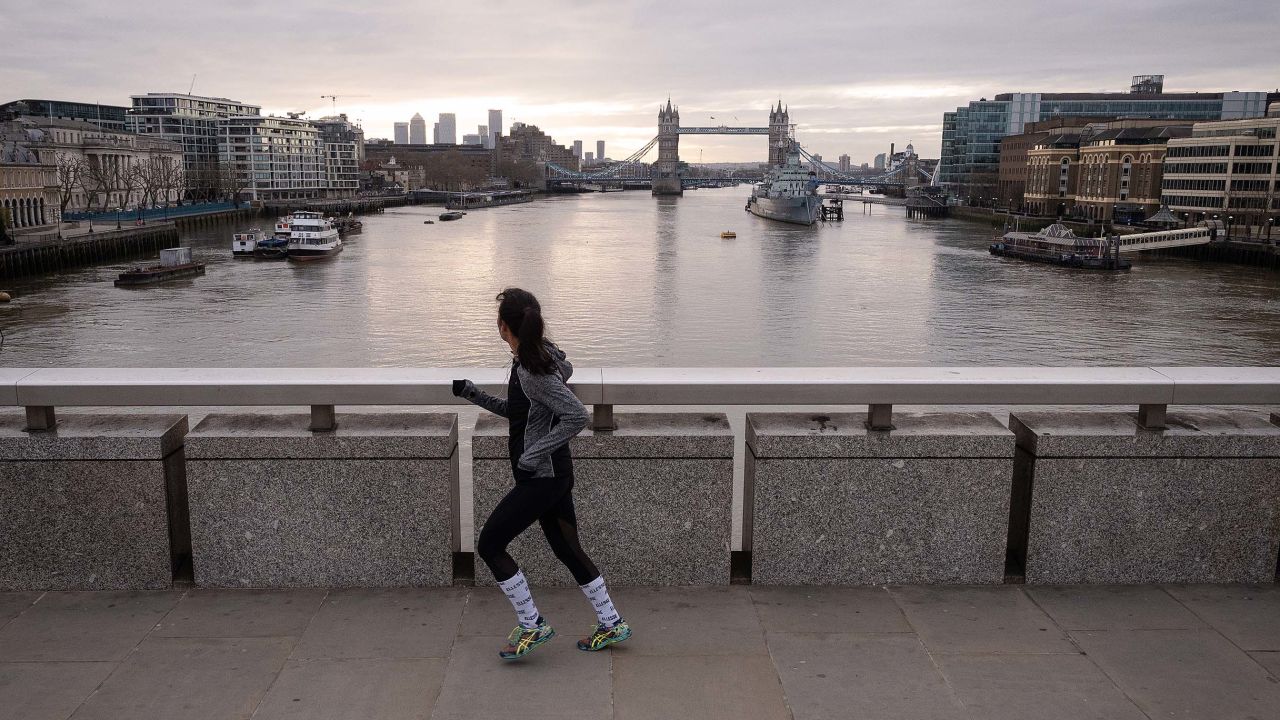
(417, 130)
(779, 134)
(666, 171)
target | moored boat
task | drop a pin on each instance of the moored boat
(312, 236)
(244, 244)
(272, 248)
(789, 194)
(1058, 245)
(452, 215)
(175, 263)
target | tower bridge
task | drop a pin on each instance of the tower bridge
(665, 177)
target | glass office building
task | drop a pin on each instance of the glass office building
(971, 135)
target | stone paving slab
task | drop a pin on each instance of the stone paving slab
(384, 623)
(83, 626)
(819, 609)
(12, 603)
(720, 688)
(741, 651)
(980, 620)
(47, 690)
(1044, 687)
(368, 689)
(888, 677)
(1184, 673)
(242, 613)
(190, 678)
(1245, 614)
(561, 683)
(1113, 607)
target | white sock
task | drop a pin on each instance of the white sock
(517, 590)
(598, 594)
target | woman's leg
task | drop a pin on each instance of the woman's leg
(513, 514)
(560, 525)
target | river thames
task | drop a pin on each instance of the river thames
(630, 279)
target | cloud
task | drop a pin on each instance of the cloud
(856, 75)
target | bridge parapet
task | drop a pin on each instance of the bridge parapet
(1184, 454)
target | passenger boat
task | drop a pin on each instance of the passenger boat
(243, 244)
(283, 226)
(272, 248)
(452, 215)
(789, 195)
(312, 236)
(1057, 245)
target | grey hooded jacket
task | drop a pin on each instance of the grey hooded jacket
(555, 413)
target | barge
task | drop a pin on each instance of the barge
(1057, 245)
(175, 263)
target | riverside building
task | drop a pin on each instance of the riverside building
(28, 187)
(971, 134)
(97, 169)
(1227, 170)
(275, 158)
(1101, 171)
(107, 117)
(189, 120)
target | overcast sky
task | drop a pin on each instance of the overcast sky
(857, 75)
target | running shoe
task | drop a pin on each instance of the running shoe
(602, 637)
(523, 640)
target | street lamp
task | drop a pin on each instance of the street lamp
(118, 211)
(1270, 221)
(1229, 219)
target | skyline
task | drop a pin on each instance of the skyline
(876, 75)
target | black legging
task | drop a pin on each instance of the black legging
(550, 502)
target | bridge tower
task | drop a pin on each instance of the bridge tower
(779, 134)
(666, 171)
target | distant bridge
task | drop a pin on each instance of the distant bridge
(665, 177)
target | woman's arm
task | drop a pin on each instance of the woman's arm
(550, 391)
(467, 390)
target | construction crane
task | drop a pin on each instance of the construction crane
(334, 98)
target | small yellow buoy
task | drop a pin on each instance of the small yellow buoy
(728, 234)
(4, 297)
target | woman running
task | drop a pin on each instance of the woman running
(544, 415)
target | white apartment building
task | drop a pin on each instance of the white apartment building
(189, 120)
(274, 158)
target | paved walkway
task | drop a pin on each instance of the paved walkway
(706, 653)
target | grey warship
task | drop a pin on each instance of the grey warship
(789, 194)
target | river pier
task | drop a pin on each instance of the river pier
(100, 246)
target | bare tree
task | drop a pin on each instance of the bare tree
(232, 181)
(171, 178)
(71, 169)
(97, 181)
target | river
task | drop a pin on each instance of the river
(630, 279)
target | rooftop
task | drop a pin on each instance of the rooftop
(741, 652)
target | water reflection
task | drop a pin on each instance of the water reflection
(629, 279)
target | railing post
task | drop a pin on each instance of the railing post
(879, 417)
(323, 418)
(1151, 417)
(41, 418)
(602, 417)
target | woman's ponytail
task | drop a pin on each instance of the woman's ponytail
(520, 310)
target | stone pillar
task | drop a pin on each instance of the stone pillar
(88, 505)
(371, 504)
(1111, 502)
(832, 503)
(653, 500)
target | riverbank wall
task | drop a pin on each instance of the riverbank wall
(57, 254)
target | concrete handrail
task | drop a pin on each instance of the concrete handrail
(1150, 388)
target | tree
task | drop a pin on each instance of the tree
(520, 173)
(232, 182)
(96, 180)
(71, 169)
